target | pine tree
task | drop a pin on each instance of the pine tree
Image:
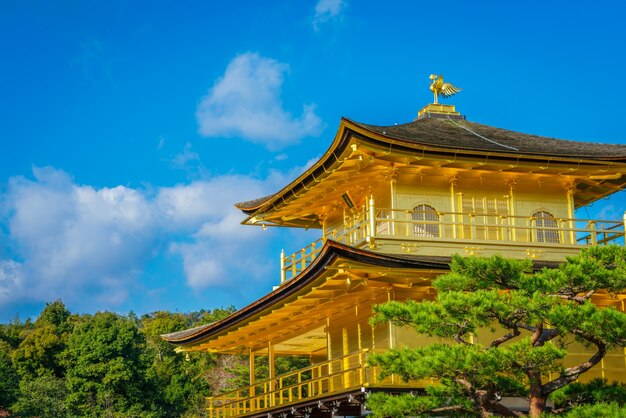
(506, 330)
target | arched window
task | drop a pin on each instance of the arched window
(428, 216)
(545, 227)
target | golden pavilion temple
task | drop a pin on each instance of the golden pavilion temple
(393, 204)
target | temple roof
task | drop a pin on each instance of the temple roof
(461, 134)
(331, 251)
(458, 136)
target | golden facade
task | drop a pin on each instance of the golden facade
(392, 205)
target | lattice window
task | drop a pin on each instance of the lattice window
(546, 227)
(485, 205)
(425, 214)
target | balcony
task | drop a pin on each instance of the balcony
(304, 387)
(445, 233)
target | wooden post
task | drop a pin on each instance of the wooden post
(283, 273)
(506, 221)
(453, 180)
(570, 213)
(329, 350)
(390, 325)
(359, 332)
(345, 347)
(394, 205)
(372, 215)
(592, 232)
(512, 184)
(460, 220)
(328, 342)
(271, 371)
(252, 370)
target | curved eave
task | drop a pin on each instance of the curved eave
(250, 205)
(330, 252)
(337, 146)
(349, 129)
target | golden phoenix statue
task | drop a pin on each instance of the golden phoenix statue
(438, 86)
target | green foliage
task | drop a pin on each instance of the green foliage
(597, 390)
(108, 365)
(474, 273)
(9, 379)
(106, 368)
(595, 268)
(598, 410)
(178, 381)
(42, 397)
(56, 315)
(496, 370)
(506, 326)
(407, 404)
(217, 314)
(38, 354)
(11, 333)
(162, 322)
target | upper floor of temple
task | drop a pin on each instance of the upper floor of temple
(442, 185)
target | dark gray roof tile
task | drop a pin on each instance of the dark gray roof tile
(460, 134)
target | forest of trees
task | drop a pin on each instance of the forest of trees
(109, 365)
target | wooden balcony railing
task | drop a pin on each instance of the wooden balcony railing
(314, 382)
(461, 228)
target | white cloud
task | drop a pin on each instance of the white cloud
(327, 10)
(217, 255)
(11, 279)
(201, 269)
(246, 102)
(192, 204)
(76, 239)
(88, 246)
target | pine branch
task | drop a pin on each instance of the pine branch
(571, 374)
(585, 297)
(514, 333)
(573, 296)
(458, 408)
(537, 335)
(547, 335)
(460, 340)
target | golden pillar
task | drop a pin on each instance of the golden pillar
(252, 371)
(570, 188)
(453, 180)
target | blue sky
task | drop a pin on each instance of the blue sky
(128, 129)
